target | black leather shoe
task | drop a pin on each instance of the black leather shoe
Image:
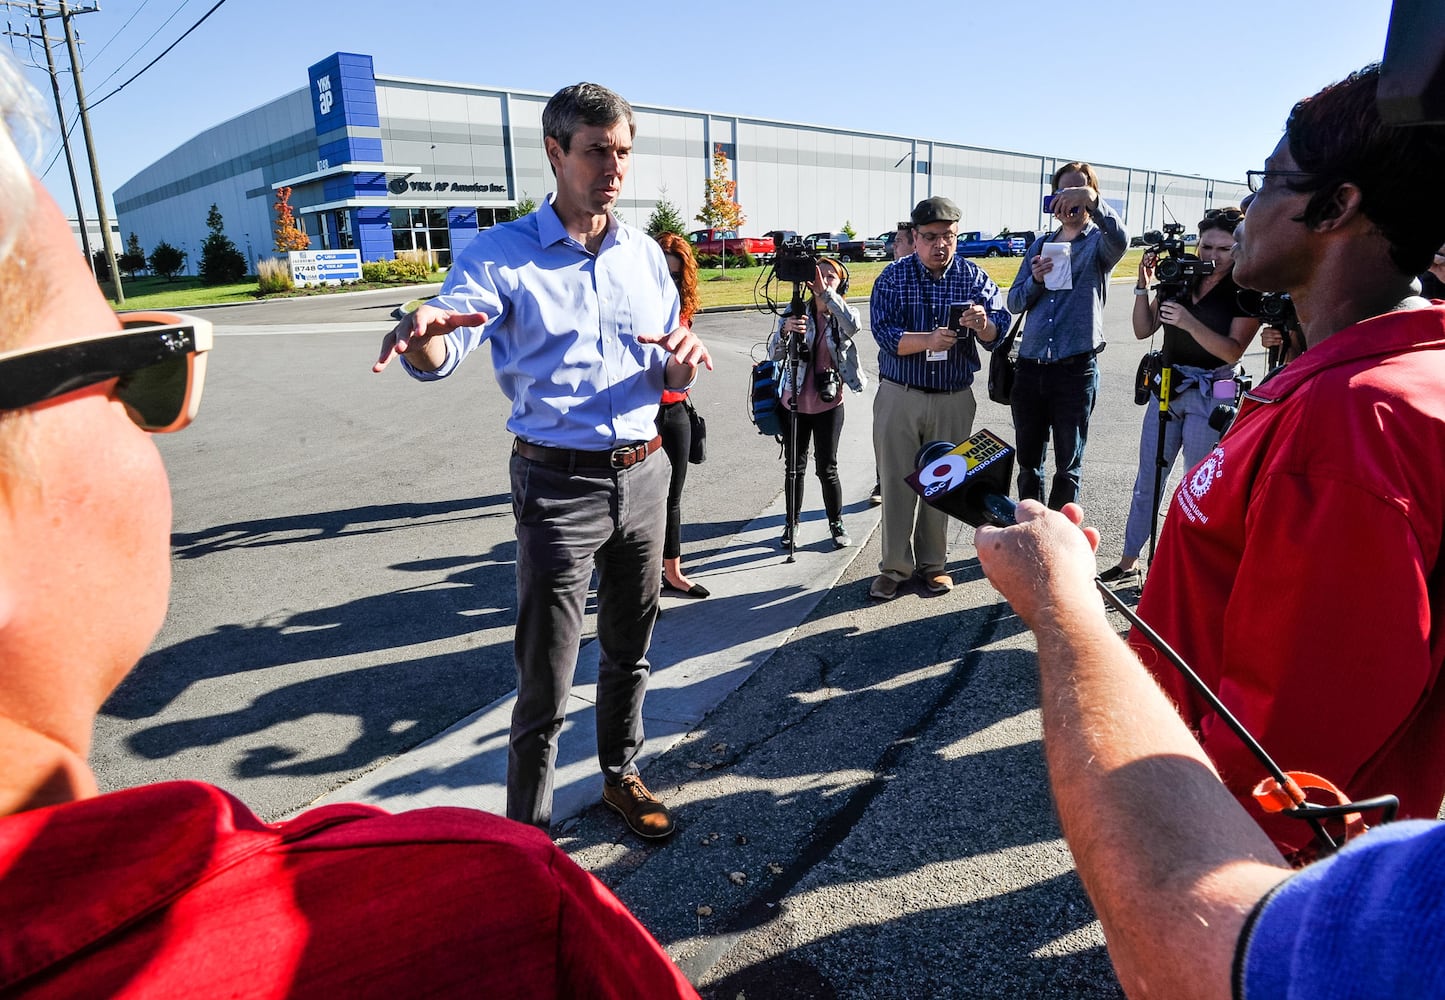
(787, 539)
(841, 539)
(697, 590)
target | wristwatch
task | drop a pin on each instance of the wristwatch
(1140, 291)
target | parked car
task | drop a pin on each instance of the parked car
(861, 249)
(824, 243)
(972, 244)
(714, 242)
(1027, 235)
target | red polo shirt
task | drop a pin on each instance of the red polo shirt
(179, 890)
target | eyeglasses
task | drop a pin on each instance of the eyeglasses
(932, 238)
(1255, 178)
(158, 360)
(1229, 216)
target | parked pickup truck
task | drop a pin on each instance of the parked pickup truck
(860, 249)
(712, 242)
(972, 244)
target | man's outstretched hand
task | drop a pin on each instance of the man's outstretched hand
(415, 337)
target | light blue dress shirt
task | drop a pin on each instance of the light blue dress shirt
(563, 324)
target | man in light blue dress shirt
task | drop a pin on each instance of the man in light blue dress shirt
(582, 319)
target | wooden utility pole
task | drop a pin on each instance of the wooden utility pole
(105, 239)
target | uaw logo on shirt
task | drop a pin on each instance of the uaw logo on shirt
(1192, 493)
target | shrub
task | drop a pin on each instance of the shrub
(273, 275)
(410, 265)
(167, 261)
(376, 270)
(734, 260)
(221, 262)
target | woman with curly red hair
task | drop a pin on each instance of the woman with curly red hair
(674, 425)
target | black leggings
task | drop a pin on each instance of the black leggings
(826, 429)
(676, 431)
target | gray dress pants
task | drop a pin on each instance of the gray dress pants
(568, 523)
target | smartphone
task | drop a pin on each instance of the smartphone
(955, 315)
(1048, 202)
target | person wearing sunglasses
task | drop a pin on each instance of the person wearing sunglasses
(674, 423)
(1205, 334)
(178, 889)
(1299, 569)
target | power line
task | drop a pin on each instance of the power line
(117, 90)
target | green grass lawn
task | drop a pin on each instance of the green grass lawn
(736, 290)
(184, 293)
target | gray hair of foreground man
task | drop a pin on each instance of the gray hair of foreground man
(1336, 137)
(583, 104)
(20, 122)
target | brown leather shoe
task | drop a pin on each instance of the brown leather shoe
(938, 583)
(884, 588)
(643, 812)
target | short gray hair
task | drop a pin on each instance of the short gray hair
(583, 104)
(21, 125)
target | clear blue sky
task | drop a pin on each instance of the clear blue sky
(1200, 88)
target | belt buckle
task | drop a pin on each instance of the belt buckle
(626, 458)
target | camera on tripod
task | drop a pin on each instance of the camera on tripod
(1175, 268)
(795, 263)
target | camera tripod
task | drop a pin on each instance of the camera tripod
(797, 352)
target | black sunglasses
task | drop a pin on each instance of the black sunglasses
(158, 360)
(1227, 214)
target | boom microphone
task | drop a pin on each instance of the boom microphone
(969, 481)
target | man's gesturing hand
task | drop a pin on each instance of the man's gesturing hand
(682, 344)
(414, 335)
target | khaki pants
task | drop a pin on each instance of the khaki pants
(915, 535)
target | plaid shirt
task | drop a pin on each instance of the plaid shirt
(908, 299)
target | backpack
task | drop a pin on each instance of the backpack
(763, 399)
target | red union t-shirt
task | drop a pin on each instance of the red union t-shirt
(179, 890)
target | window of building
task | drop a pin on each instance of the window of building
(423, 229)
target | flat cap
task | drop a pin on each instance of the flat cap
(935, 209)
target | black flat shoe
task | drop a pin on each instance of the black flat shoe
(696, 591)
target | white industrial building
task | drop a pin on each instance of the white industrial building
(387, 163)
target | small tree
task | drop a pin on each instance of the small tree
(100, 266)
(665, 218)
(134, 257)
(848, 230)
(167, 261)
(221, 262)
(526, 206)
(289, 236)
(720, 209)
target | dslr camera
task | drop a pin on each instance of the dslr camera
(794, 262)
(1175, 268)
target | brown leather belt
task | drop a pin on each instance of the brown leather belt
(624, 457)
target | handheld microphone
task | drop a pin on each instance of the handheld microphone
(969, 481)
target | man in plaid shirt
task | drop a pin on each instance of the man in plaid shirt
(925, 369)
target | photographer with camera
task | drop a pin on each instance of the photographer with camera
(821, 341)
(1206, 332)
(1058, 376)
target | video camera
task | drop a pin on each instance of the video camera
(1175, 267)
(1274, 309)
(795, 263)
